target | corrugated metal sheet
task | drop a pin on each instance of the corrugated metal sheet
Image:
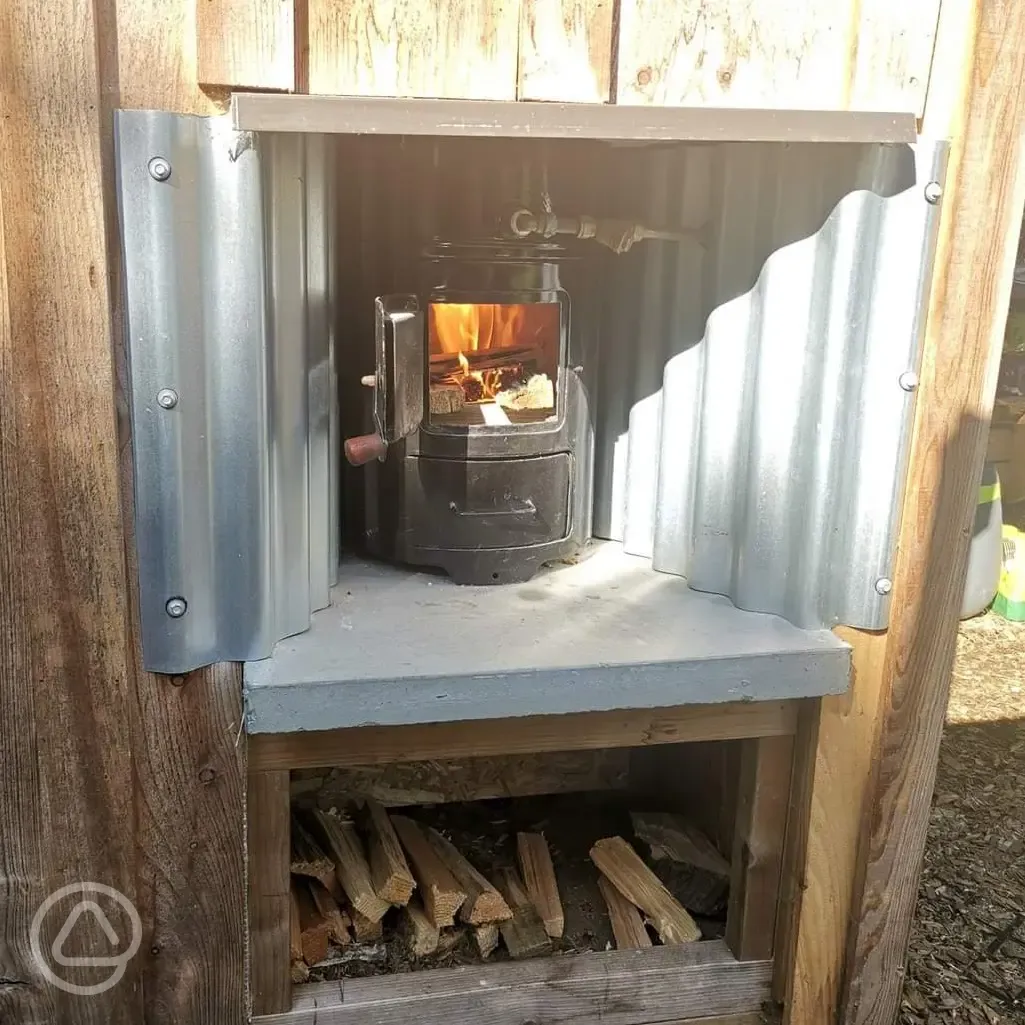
(227, 306)
(752, 430)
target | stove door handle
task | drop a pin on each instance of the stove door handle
(518, 508)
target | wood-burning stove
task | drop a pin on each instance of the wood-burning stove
(480, 461)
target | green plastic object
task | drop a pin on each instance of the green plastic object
(1010, 600)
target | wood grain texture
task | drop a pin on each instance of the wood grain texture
(624, 868)
(388, 869)
(483, 902)
(66, 810)
(835, 783)
(351, 865)
(154, 56)
(620, 987)
(399, 784)
(762, 805)
(539, 877)
(852, 54)
(270, 894)
(375, 745)
(980, 223)
(436, 885)
(245, 44)
(566, 50)
(190, 752)
(627, 922)
(435, 48)
(523, 933)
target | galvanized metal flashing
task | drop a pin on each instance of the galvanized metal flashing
(768, 464)
(232, 379)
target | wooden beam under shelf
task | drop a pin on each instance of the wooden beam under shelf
(699, 981)
(375, 745)
(385, 115)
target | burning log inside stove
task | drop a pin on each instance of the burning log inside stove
(508, 376)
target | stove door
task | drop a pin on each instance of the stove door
(399, 391)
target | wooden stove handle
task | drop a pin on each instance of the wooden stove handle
(364, 447)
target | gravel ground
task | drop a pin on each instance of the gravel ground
(966, 962)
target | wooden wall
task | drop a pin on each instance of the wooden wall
(842, 54)
(115, 775)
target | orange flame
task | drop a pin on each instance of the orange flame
(468, 327)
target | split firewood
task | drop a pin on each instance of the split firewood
(299, 971)
(388, 868)
(627, 923)
(449, 939)
(308, 857)
(446, 398)
(295, 944)
(524, 934)
(351, 866)
(635, 881)
(483, 902)
(539, 877)
(440, 892)
(485, 936)
(338, 922)
(314, 930)
(420, 933)
(672, 836)
(365, 930)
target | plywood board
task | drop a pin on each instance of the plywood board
(442, 48)
(566, 50)
(846, 55)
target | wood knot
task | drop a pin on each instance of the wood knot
(207, 776)
(177, 681)
(644, 77)
(725, 76)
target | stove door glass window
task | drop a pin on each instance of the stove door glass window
(493, 364)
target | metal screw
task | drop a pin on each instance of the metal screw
(933, 192)
(167, 398)
(160, 169)
(908, 380)
(884, 585)
(175, 607)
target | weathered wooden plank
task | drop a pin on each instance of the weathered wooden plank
(566, 50)
(272, 112)
(66, 690)
(268, 848)
(854, 54)
(375, 745)
(762, 804)
(979, 228)
(836, 786)
(621, 987)
(400, 784)
(246, 44)
(190, 748)
(409, 48)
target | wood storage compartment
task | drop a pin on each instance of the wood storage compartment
(596, 884)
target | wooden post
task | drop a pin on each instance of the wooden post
(981, 221)
(762, 803)
(873, 769)
(67, 706)
(267, 843)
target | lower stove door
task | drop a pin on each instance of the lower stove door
(487, 503)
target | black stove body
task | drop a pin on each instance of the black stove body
(481, 460)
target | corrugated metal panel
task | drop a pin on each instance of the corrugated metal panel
(752, 430)
(232, 476)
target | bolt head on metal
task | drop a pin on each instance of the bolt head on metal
(908, 380)
(933, 192)
(884, 585)
(176, 607)
(167, 398)
(160, 169)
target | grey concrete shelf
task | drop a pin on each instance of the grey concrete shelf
(398, 647)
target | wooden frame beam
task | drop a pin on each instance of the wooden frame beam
(376, 745)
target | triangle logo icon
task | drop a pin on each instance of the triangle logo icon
(81, 908)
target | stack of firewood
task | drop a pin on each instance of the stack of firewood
(637, 899)
(348, 873)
